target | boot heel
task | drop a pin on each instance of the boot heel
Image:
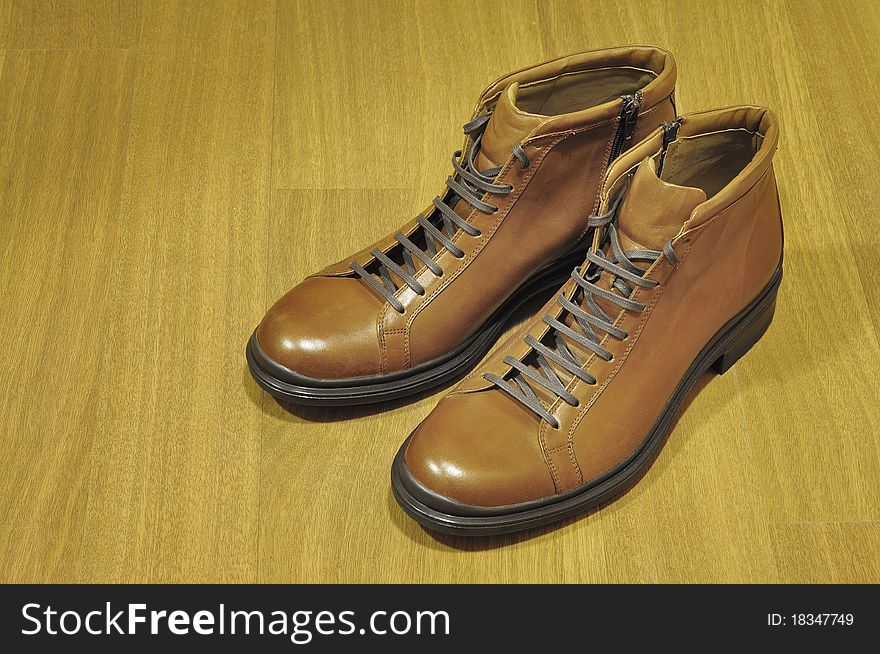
(742, 340)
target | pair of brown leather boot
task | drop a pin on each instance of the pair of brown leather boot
(664, 234)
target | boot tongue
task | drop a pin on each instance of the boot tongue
(507, 127)
(653, 211)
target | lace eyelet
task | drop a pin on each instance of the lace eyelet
(477, 234)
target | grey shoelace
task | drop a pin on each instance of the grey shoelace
(590, 317)
(468, 184)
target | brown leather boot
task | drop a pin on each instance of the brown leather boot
(571, 411)
(425, 303)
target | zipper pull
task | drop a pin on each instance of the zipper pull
(631, 105)
(629, 113)
(670, 133)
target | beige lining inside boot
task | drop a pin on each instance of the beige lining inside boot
(582, 89)
(709, 161)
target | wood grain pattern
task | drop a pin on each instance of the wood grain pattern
(63, 24)
(167, 169)
(64, 123)
(5, 12)
(175, 470)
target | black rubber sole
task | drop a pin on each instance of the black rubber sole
(287, 386)
(730, 343)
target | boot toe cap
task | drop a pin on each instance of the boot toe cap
(324, 329)
(476, 451)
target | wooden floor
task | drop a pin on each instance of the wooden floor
(168, 168)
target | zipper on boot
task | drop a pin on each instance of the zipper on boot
(626, 127)
(670, 133)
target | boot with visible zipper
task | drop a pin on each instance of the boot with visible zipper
(571, 411)
(424, 304)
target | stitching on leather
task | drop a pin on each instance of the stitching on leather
(577, 469)
(487, 235)
(572, 385)
(674, 168)
(625, 355)
(542, 430)
(383, 347)
(554, 474)
(567, 73)
(656, 105)
(569, 132)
